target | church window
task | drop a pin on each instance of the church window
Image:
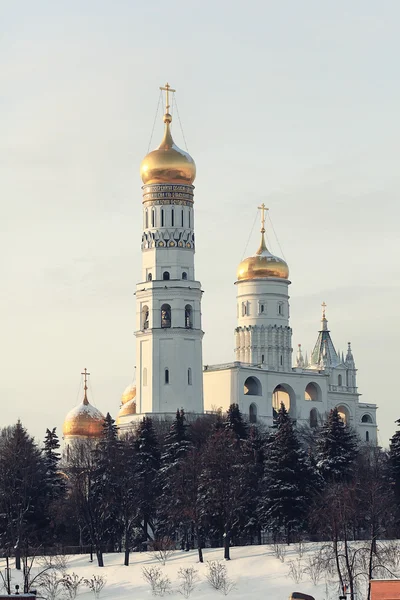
(252, 387)
(281, 360)
(182, 217)
(165, 316)
(166, 376)
(244, 309)
(162, 217)
(145, 317)
(280, 308)
(153, 217)
(188, 317)
(172, 217)
(312, 392)
(281, 394)
(262, 358)
(165, 275)
(189, 218)
(313, 417)
(261, 308)
(253, 413)
(189, 376)
(339, 380)
(366, 419)
(149, 277)
(145, 376)
(184, 275)
(146, 219)
(367, 436)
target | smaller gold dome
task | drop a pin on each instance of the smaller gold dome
(84, 421)
(126, 410)
(262, 265)
(168, 163)
(129, 393)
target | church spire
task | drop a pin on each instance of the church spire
(85, 374)
(324, 355)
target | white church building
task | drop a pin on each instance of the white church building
(169, 363)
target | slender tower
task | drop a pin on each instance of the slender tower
(263, 335)
(168, 299)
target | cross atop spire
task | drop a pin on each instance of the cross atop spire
(85, 374)
(167, 89)
(324, 305)
(263, 209)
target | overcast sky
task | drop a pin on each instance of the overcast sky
(295, 104)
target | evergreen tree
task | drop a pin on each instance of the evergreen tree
(146, 473)
(22, 491)
(172, 477)
(55, 480)
(337, 449)
(234, 422)
(287, 483)
(254, 447)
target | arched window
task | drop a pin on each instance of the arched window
(313, 417)
(165, 316)
(145, 376)
(145, 317)
(182, 217)
(252, 387)
(188, 317)
(166, 376)
(366, 419)
(344, 414)
(184, 275)
(312, 392)
(281, 394)
(189, 376)
(189, 218)
(153, 217)
(165, 275)
(149, 277)
(280, 308)
(146, 219)
(339, 380)
(172, 217)
(253, 413)
(262, 358)
(367, 436)
(281, 360)
(162, 217)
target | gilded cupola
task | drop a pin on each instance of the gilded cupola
(85, 420)
(128, 403)
(168, 163)
(263, 264)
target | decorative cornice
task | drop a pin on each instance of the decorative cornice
(164, 193)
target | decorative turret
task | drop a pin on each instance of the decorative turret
(324, 355)
(300, 363)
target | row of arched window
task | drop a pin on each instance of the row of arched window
(167, 376)
(165, 314)
(176, 219)
(246, 310)
(166, 276)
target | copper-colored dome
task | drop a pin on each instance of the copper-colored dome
(127, 409)
(168, 163)
(129, 393)
(84, 421)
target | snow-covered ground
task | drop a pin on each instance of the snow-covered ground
(255, 571)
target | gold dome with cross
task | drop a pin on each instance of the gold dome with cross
(168, 163)
(85, 420)
(263, 264)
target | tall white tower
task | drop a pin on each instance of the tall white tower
(263, 335)
(168, 299)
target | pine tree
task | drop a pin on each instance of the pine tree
(287, 483)
(172, 481)
(55, 480)
(146, 473)
(234, 422)
(337, 450)
(254, 448)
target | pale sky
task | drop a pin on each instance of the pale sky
(295, 104)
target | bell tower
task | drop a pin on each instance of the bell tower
(168, 299)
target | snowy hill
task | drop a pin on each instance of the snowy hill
(255, 570)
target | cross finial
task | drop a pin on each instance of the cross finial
(85, 374)
(167, 89)
(324, 305)
(263, 209)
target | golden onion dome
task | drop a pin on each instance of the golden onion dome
(129, 393)
(126, 410)
(168, 163)
(262, 265)
(84, 421)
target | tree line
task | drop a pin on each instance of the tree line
(217, 480)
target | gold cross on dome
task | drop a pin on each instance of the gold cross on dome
(167, 89)
(323, 309)
(85, 376)
(263, 209)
